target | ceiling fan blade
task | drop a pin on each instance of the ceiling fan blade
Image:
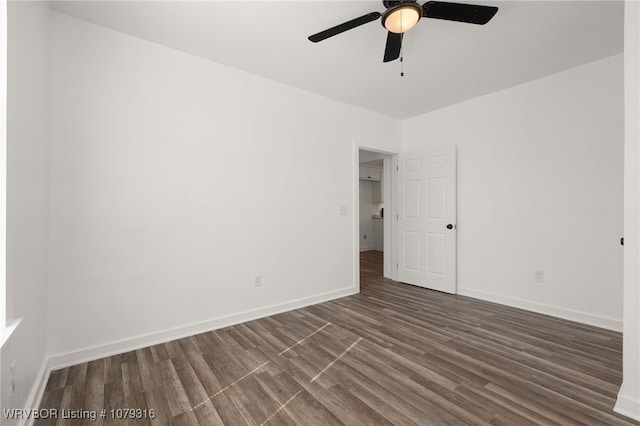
(349, 25)
(469, 13)
(394, 44)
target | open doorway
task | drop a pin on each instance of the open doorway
(374, 226)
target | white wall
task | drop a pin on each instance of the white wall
(366, 210)
(378, 234)
(629, 396)
(175, 181)
(540, 187)
(27, 198)
(3, 165)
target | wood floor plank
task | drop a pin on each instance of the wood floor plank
(191, 384)
(186, 419)
(51, 398)
(229, 413)
(500, 404)
(358, 382)
(208, 379)
(274, 388)
(131, 379)
(145, 361)
(77, 374)
(393, 414)
(207, 414)
(305, 409)
(252, 401)
(157, 400)
(392, 354)
(57, 379)
(166, 380)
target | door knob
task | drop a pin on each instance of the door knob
(449, 226)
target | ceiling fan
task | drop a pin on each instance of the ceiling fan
(402, 15)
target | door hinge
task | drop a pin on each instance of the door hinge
(397, 169)
(397, 218)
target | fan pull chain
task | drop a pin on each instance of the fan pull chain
(402, 60)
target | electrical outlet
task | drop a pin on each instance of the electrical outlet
(13, 377)
(538, 276)
(258, 281)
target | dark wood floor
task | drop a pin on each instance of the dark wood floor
(393, 354)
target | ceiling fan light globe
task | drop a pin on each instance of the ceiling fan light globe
(401, 18)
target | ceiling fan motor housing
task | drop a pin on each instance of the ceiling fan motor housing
(392, 18)
(390, 3)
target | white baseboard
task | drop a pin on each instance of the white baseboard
(582, 317)
(627, 406)
(126, 345)
(366, 248)
(35, 396)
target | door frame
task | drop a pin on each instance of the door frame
(390, 197)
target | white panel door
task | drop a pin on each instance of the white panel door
(427, 219)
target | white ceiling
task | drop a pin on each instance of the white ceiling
(445, 62)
